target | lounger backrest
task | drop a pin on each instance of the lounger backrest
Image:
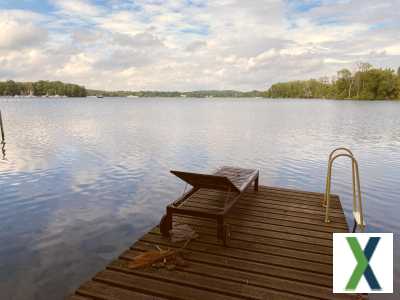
(207, 181)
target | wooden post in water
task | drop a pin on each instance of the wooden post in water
(2, 129)
(3, 140)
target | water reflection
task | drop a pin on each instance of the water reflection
(84, 178)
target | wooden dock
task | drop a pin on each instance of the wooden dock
(280, 248)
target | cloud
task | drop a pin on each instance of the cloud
(77, 7)
(186, 45)
(140, 40)
(196, 45)
(18, 30)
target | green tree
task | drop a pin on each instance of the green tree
(344, 83)
(366, 83)
(359, 77)
(381, 84)
(41, 88)
(11, 88)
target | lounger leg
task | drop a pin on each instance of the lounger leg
(256, 184)
(220, 227)
(166, 223)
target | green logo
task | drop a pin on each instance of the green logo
(363, 268)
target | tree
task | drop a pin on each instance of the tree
(362, 69)
(363, 66)
(11, 88)
(344, 83)
(366, 83)
(41, 88)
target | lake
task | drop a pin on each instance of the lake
(84, 178)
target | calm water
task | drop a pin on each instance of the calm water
(85, 177)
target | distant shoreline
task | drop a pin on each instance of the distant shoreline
(366, 84)
(203, 98)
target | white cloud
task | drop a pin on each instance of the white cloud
(18, 30)
(78, 64)
(393, 50)
(78, 7)
(173, 45)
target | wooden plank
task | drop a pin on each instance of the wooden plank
(280, 248)
(77, 297)
(283, 214)
(278, 213)
(275, 231)
(334, 214)
(265, 223)
(279, 194)
(198, 202)
(271, 227)
(208, 235)
(251, 280)
(257, 197)
(252, 243)
(258, 201)
(254, 215)
(284, 200)
(283, 190)
(99, 290)
(254, 256)
(157, 286)
(226, 271)
(242, 265)
(223, 288)
(238, 224)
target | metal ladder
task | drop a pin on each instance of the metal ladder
(357, 203)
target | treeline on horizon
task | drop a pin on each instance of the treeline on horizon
(57, 88)
(174, 94)
(366, 83)
(41, 88)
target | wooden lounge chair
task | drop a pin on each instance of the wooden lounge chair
(231, 181)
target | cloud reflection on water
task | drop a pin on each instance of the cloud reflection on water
(85, 178)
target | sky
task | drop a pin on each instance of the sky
(193, 44)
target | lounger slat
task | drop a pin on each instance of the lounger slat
(207, 181)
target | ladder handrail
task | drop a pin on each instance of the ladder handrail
(352, 169)
(357, 205)
(340, 148)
